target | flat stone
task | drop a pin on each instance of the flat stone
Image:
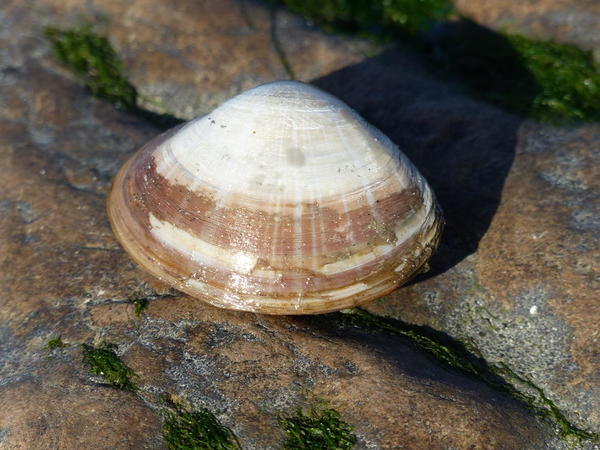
(56, 407)
(516, 275)
(571, 21)
(206, 52)
(62, 272)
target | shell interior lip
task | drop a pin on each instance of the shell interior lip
(283, 200)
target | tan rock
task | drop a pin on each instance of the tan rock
(207, 52)
(571, 21)
(62, 272)
(515, 276)
(58, 409)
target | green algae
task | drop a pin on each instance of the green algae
(55, 342)
(537, 399)
(567, 78)
(445, 351)
(317, 429)
(196, 430)
(139, 304)
(457, 356)
(372, 17)
(547, 81)
(103, 361)
(92, 58)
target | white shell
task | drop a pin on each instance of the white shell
(283, 200)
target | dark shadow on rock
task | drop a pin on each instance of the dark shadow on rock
(419, 352)
(161, 121)
(426, 354)
(485, 62)
(463, 147)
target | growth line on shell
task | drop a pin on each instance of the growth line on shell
(297, 302)
(298, 208)
(347, 214)
(367, 188)
(313, 230)
(368, 193)
(232, 163)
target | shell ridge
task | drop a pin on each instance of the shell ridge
(365, 188)
(298, 211)
(313, 230)
(224, 193)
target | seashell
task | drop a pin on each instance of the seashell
(283, 200)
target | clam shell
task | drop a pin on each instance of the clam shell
(283, 200)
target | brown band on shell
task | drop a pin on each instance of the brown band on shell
(255, 230)
(291, 279)
(384, 278)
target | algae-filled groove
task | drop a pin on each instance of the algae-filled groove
(55, 343)
(278, 47)
(550, 82)
(196, 429)
(460, 357)
(547, 81)
(92, 59)
(317, 429)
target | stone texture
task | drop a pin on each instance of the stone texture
(572, 21)
(64, 276)
(57, 407)
(205, 52)
(516, 275)
(62, 272)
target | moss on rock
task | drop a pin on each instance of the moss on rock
(92, 58)
(462, 358)
(55, 342)
(196, 430)
(372, 17)
(104, 362)
(547, 81)
(317, 430)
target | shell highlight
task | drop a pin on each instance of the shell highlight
(283, 200)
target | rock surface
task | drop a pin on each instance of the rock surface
(514, 277)
(572, 21)
(206, 52)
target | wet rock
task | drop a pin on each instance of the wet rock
(63, 274)
(56, 407)
(248, 369)
(207, 52)
(573, 22)
(515, 277)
